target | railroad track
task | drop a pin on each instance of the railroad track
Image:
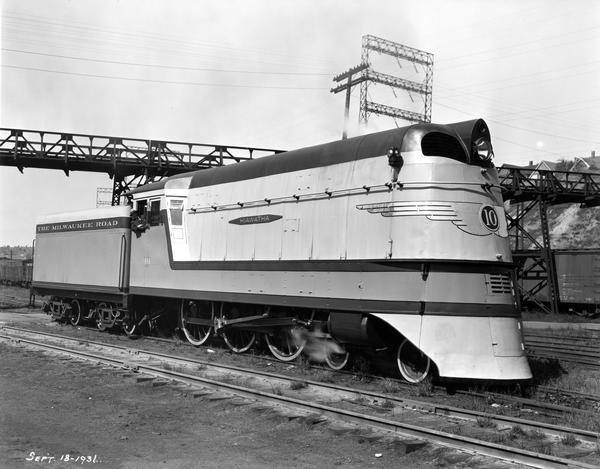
(583, 350)
(569, 393)
(540, 406)
(380, 412)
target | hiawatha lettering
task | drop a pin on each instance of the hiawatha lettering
(84, 225)
(254, 219)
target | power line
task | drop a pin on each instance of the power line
(174, 67)
(77, 41)
(534, 74)
(504, 23)
(519, 128)
(519, 47)
(178, 41)
(525, 129)
(148, 80)
(534, 82)
(525, 113)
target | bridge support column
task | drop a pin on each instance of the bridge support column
(548, 257)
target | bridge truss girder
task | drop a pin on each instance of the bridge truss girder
(530, 189)
(127, 161)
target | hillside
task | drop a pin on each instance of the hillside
(570, 226)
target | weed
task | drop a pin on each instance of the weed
(486, 422)
(543, 448)
(171, 367)
(478, 404)
(361, 368)
(387, 404)
(424, 388)
(324, 376)
(498, 437)
(569, 440)
(390, 386)
(536, 435)
(295, 385)
(304, 365)
(228, 379)
(277, 390)
(545, 369)
(516, 432)
(580, 380)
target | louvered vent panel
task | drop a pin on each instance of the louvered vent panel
(498, 284)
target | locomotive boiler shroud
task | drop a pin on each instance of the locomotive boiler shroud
(393, 239)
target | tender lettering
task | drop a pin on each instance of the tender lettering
(101, 224)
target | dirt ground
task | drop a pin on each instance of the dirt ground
(51, 407)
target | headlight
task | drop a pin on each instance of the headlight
(483, 149)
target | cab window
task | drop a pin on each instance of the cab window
(154, 213)
(141, 208)
(176, 212)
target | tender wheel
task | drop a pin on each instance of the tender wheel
(238, 340)
(197, 320)
(287, 343)
(413, 364)
(75, 315)
(337, 356)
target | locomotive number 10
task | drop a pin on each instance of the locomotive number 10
(489, 217)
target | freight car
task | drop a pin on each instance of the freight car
(578, 275)
(395, 240)
(16, 272)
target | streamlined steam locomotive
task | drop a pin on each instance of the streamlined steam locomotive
(395, 240)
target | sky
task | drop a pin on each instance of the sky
(259, 73)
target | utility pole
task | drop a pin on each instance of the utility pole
(364, 74)
(350, 82)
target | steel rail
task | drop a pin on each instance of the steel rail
(581, 395)
(583, 350)
(591, 343)
(563, 356)
(431, 407)
(576, 361)
(458, 442)
(564, 350)
(549, 408)
(553, 409)
(490, 449)
(593, 335)
(434, 408)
